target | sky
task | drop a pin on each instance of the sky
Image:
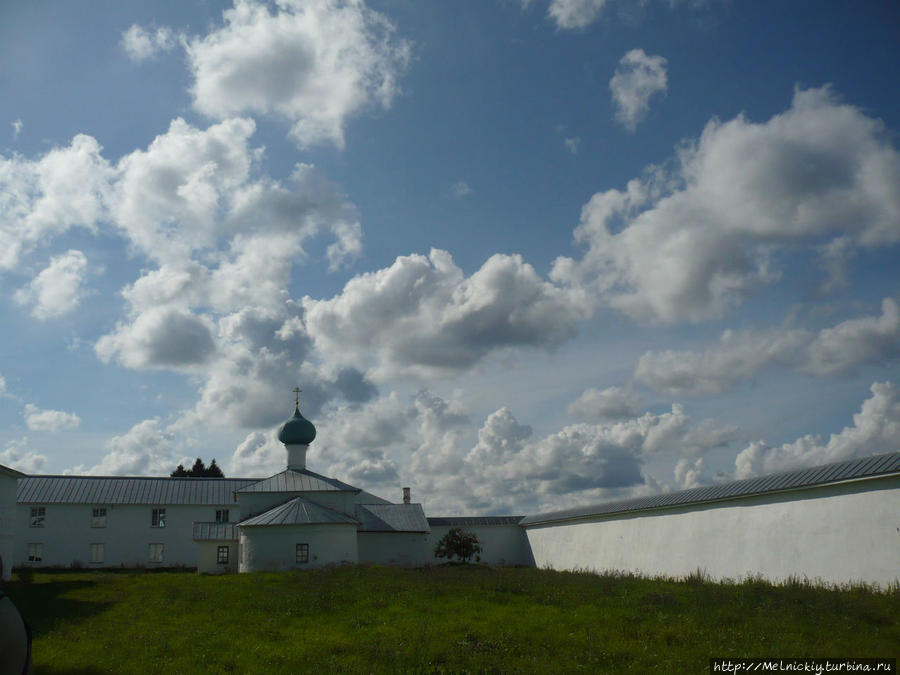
(519, 255)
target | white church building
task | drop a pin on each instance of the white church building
(836, 523)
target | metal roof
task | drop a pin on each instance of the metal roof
(215, 532)
(837, 472)
(120, 490)
(473, 521)
(298, 511)
(292, 480)
(391, 518)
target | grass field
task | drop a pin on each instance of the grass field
(439, 619)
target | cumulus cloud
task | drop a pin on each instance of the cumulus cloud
(42, 198)
(144, 450)
(691, 242)
(37, 419)
(422, 316)
(638, 77)
(875, 430)
(575, 13)
(739, 355)
(161, 337)
(688, 474)
(572, 144)
(141, 44)
(610, 404)
(315, 63)
(259, 454)
(17, 455)
(56, 290)
(17, 128)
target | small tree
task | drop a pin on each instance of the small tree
(213, 470)
(198, 470)
(179, 472)
(459, 544)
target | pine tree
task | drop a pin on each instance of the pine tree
(213, 470)
(198, 470)
(179, 472)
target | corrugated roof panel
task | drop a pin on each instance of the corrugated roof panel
(117, 490)
(303, 480)
(297, 511)
(473, 521)
(855, 469)
(215, 532)
(391, 518)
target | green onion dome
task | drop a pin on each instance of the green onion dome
(297, 431)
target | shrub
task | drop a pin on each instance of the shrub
(458, 543)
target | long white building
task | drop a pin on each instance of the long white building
(836, 523)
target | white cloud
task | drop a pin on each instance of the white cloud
(460, 189)
(572, 144)
(609, 404)
(49, 420)
(422, 316)
(17, 128)
(688, 474)
(637, 78)
(739, 355)
(870, 339)
(691, 243)
(144, 450)
(141, 44)
(56, 290)
(42, 198)
(161, 337)
(575, 13)
(18, 456)
(314, 62)
(875, 430)
(259, 454)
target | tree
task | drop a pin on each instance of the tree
(460, 544)
(213, 470)
(199, 470)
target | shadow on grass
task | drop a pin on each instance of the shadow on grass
(53, 670)
(44, 607)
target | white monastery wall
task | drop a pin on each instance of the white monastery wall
(836, 533)
(67, 534)
(393, 548)
(207, 557)
(501, 544)
(270, 548)
(8, 486)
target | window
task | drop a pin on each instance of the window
(222, 516)
(97, 551)
(222, 555)
(98, 517)
(159, 518)
(156, 553)
(302, 553)
(38, 513)
(35, 552)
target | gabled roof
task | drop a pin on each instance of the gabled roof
(837, 472)
(297, 511)
(121, 490)
(215, 532)
(391, 518)
(293, 480)
(474, 521)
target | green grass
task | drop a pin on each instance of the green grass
(439, 619)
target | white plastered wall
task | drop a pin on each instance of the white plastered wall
(207, 557)
(67, 534)
(8, 484)
(501, 544)
(271, 548)
(837, 534)
(393, 548)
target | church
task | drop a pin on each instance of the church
(834, 523)
(296, 519)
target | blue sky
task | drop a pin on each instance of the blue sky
(518, 255)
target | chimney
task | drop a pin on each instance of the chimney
(406, 495)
